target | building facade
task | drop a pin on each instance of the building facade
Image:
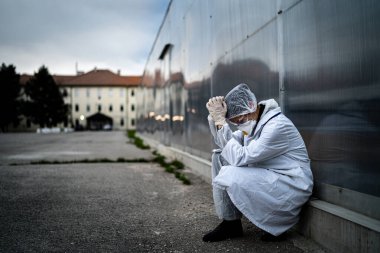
(97, 100)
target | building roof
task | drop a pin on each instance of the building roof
(61, 80)
(104, 78)
(100, 77)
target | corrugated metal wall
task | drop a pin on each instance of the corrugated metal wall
(318, 58)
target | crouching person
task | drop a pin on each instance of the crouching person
(261, 171)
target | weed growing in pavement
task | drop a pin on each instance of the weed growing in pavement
(182, 177)
(171, 167)
(103, 160)
(138, 160)
(178, 164)
(160, 159)
(131, 134)
(136, 140)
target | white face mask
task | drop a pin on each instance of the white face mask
(247, 127)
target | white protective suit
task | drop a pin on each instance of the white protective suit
(268, 177)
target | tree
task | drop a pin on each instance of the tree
(9, 96)
(45, 105)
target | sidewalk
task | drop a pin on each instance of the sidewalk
(115, 207)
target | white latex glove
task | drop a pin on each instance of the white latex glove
(217, 109)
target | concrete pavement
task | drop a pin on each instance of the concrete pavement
(113, 207)
(26, 147)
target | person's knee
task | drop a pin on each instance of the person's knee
(216, 151)
(216, 155)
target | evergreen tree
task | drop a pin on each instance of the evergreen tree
(9, 96)
(45, 105)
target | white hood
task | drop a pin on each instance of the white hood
(269, 104)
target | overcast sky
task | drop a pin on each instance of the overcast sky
(111, 34)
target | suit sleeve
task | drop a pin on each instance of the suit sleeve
(272, 142)
(223, 135)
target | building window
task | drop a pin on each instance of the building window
(132, 93)
(111, 108)
(132, 122)
(76, 107)
(122, 122)
(99, 108)
(88, 108)
(88, 92)
(110, 90)
(132, 108)
(99, 93)
(122, 108)
(121, 92)
(76, 92)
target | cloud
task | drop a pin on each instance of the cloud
(116, 34)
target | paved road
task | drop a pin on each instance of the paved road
(26, 147)
(114, 207)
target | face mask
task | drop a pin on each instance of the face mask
(247, 127)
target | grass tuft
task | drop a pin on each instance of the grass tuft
(102, 160)
(178, 164)
(171, 167)
(131, 134)
(160, 159)
(136, 140)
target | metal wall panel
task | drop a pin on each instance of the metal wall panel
(332, 88)
(318, 58)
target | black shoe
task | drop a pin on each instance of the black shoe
(266, 237)
(225, 230)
